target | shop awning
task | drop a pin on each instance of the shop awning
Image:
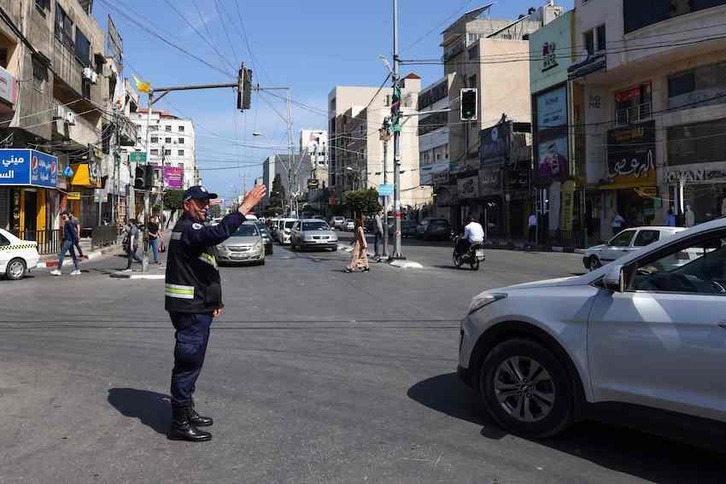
(82, 176)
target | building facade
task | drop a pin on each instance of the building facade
(433, 130)
(356, 148)
(56, 48)
(652, 110)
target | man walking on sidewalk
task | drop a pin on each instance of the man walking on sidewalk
(132, 241)
(532, 224)
(193, 293)
(70, 238)
(378, 235)
(77, 226)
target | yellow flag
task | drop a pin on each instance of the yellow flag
(142, 86)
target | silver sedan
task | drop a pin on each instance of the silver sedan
(244, 246)
(313, 233)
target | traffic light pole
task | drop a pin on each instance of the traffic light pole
(396, 142)
(145, 260)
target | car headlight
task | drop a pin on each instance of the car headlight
(309, 238)
(482, 300)
(257, 246)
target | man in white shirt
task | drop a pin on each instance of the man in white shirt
(473, 234)
(532, 225)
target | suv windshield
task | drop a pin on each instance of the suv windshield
(289, 224)
(315, 226)
(246, 230)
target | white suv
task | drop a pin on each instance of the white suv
(647, 330)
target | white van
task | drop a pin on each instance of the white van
(285, 228)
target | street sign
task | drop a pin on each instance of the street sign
(385, 190)
(137, 156)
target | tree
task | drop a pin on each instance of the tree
(277, 192)
(173, 199)
(362, 201)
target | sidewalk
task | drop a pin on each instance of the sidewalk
(528, 246)
(51, 260)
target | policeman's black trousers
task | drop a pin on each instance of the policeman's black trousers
(192, 336)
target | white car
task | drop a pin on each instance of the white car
(337, 222)
(349, 225)
(17, 256)
(647, 331)
(285, 230)
(624, 242)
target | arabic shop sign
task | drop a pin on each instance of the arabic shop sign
(28, 167)
(549, 57)
(468, 187)
(631, 154)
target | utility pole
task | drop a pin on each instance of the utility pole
(396, 128)
(145, 260)
(385, 137)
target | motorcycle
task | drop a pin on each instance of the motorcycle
(473, 256)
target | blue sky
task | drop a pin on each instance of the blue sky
(307, 46)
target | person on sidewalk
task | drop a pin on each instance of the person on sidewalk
(532, 226)
(193, 298)
(359, 255)
(617, 223)
(132, 243)
(77, 225)
(70, 239)
(378, 235)
(154, 238)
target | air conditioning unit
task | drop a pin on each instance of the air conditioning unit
(87, 73)
(71, 118)
(94, 77)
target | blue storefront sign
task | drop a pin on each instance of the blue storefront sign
(385, 190)
(28, 167)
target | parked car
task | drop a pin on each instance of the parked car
(337, 222)
(244, 246)
(624, 242)
(266, 237)
(408, 228)
(644, 332)
(313, 233)
(349, 225)
(284, 230)
(17, 256)
(434, 229)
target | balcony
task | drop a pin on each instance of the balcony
(73, 128)
(593, 63)
(633, 114)
(127, 131)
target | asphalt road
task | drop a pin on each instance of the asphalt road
(312, 375)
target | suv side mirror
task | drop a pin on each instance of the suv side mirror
(614, 280)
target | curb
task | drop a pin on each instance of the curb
(530, 248)
(53, 263)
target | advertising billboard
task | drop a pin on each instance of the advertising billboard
(552, 162)
(552, 109)
(173, 177)
(28, 167)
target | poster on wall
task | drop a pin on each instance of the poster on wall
(552, 163)
(552, 109)
(173, 177)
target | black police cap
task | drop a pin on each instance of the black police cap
(198, 192)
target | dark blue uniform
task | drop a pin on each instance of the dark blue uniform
(192, 292)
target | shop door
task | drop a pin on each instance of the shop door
(30, 213)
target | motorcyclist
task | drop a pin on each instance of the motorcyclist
(473, 234)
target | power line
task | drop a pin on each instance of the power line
(226, 32)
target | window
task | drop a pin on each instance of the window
(702, 86)
(153, 128)
(40, 74)
(86, 88)
(601, 38)
(167, 152)
(696, 267)
(633, 104)
(181, 129)
(696, 143)
(155, 152)
(167, 140)
(181, 141)
(168, 128)
(637, 15)
(180, 152)
(63, 27)
(83, 48)
(154, 139)
(646, 237)
(42, 5)
(622, 239)
(3, 240)
(474, 52)
(589, 41)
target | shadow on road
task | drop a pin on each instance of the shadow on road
(151, 408)
(620, 449)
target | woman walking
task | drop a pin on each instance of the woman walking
(359, 256)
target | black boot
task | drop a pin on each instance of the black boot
(199, 421)
(183, 429)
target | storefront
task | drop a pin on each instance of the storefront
(700, 187)
(631, 190)
(82, 199)
(28, 195)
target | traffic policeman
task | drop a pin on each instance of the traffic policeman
(193, 298)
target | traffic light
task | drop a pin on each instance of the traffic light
(396, 109)
(144, 178)
(468, 100)
(244, 88)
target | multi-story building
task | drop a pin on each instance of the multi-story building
(652, 99)
(433, 130)
(315, 143)
(356, 150)
(491, 56)
(57, 49)
(172, 147)
(293, 172)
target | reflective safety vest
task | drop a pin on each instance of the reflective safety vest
(193, 284)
